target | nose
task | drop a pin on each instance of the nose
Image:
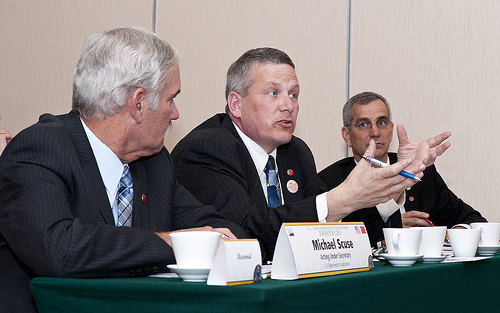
(374, 131)
(289, 104)
(174, 114)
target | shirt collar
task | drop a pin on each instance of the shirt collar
(259, 155)
(110, 166)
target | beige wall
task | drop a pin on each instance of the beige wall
(435, 61)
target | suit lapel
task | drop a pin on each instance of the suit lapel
(140, 214)
(253, 187)
(93, 180)
(289, 174)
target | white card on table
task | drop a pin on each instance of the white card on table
(236, 262)
(306, 250)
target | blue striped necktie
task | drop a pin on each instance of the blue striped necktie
(273, 198)
(124, 199)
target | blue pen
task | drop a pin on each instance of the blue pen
(382, 164)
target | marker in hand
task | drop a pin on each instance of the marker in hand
(382, 164)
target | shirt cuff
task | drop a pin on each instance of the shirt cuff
(321, 207)
(387, 209)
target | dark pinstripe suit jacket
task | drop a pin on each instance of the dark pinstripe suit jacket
(431, 195)
(213, 163)
(55, 217)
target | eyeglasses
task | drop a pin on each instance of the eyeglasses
(382, 124)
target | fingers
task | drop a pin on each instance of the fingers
(438, 139)
(226, 234)
(414, 219)
(402, 135)
(442, 148)
(5, 137)
(370, 151)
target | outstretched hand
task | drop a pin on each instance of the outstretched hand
(425, 151)
(367, 186)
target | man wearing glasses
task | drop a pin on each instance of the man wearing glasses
(367, 116)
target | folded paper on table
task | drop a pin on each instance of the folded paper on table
(306, 250)
(236, 262)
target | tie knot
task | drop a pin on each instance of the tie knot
(126, 180)
(270, 163)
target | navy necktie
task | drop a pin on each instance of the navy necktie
(124, 199)
(273, 196)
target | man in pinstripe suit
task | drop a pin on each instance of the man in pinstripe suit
(59, 177)
(222, 160)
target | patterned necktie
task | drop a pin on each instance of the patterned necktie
(273, 196)
(124, 197)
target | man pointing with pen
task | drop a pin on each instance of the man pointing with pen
(367, 117)
(230, 159)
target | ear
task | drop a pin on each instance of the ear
(137, 104)
(234, 103)
(347, 136)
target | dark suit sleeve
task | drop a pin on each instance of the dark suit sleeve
(218, 170)
(49, 222)
(433, 196)
(187, 211)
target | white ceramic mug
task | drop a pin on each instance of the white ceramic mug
(464, 242)
(432, 241)
(402, 241)
(490, 234)
(195, 249)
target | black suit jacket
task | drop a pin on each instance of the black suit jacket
(55, 217)
(431, 195)
(213, 163)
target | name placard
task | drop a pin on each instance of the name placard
(237, 262)
(306, 250)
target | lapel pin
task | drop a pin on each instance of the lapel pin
(292, 186)
(289, 172)
(143, 198)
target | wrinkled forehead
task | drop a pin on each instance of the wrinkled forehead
(372, 111)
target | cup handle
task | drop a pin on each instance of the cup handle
(395, 242)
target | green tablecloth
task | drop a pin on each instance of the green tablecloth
(452, 287)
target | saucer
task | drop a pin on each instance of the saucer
(433, 259)
(487, 250)
(190, 274)
(402, 260)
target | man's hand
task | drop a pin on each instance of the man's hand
(225, 233)
(5, 138)
(414, 218)
(367, 186)
(425, 151)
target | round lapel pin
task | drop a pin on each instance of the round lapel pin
(289, 172)
(292, 186)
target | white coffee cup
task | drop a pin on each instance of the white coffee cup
(195, 249)
(464, 242)
(432, 241)
(402, 241)
(490, 234)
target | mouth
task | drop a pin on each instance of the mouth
(286, 123)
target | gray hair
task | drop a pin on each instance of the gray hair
(114, 64)
(238, 74)
(362, 98)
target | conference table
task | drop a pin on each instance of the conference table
(441, 287)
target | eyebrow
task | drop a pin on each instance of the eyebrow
(361, 119)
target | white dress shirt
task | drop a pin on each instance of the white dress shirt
(110, 166)
(260, 157)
